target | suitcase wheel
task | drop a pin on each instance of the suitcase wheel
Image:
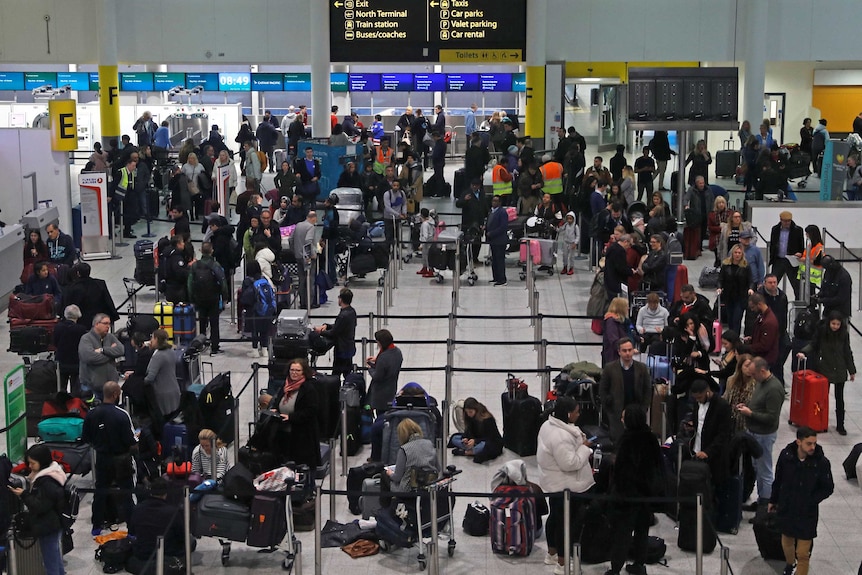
(380, 281)
(225, 552)
(438, 278)
(422, 562)
(451, 548)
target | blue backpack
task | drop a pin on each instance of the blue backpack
(264, 304)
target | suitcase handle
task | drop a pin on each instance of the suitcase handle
(728, 144)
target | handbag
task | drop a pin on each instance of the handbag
(427, 139)
(476, 520)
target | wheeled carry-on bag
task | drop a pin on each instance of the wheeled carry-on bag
(513, 521)
(728, 502)
(521, 418)
(268, 521)
(767, 535)
(726, 161)
(185, 323)
(356, 476)
(809, 400)
(694, 478)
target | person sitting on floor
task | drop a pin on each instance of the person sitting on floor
(481, 439)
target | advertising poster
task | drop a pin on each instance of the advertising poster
(94, 216)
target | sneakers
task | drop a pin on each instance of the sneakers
(96, 531)
(561, 569)
(254, 353)
(788, 569)
(263, 352)
(636, 569)
(501, 284)
(550, 559)
(570, 272)
(564, 272)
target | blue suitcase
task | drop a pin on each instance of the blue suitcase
(185, 326)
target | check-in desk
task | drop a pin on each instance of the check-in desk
(11, 260)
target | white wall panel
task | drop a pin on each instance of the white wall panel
(24, 38)
(789, 29)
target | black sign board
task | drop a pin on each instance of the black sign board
(467, 31)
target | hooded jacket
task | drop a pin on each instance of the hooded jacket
(798, 489)
(45, 499)
(569, 233)
(563, 459)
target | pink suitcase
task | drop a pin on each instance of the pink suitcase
(535, 251)
(716, 329)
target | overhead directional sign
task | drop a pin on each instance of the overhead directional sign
(468, 31)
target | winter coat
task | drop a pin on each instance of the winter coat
(655, 268)
(384, 379)
(563, 459)
(832, 352)
(724, 238)
(638, 465)
(714, 223)
(614, 329)
(484, 430)
(734, 281)
(162, 375)
(45, 498)
(798, 489)
(612, 393)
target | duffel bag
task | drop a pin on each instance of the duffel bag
(65, 429)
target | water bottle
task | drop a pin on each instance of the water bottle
(597, 458)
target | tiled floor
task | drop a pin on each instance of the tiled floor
(836, 550)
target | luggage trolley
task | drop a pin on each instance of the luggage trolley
(441, 255)
(399, 525)
(228, 521)
(537, 243)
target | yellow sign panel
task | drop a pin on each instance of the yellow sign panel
(109, 101)
(64, 125)
(467, 56)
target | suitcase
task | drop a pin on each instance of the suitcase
(164, 314)
(658, 421)
(76, 455)
(809, 400)
(145, 265)
(292, 323)
(716, 329)
(767, 535)
(677, 276)
(369, 502)
(728, 505)
(521, 422)
(694, 478)
(220, 517)
(461, 183)
(355, 478)
(692, 243)
(726, 161)
(153, 203)
(323, 470)
(184, 323)
(258, 461)
(597, 535)
(513, 521)
(535, 251)
(28, 556)
(238, 484)
(33, 410)
(35, 337)
(31, 307)
(176, 436)
(289, 348)
(268, 521)
(354, 430)
(362, 263)
(61, 429)
(329, 411)
(850, 462)
(602, 436)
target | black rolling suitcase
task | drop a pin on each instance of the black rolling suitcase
(145, 265)
(289, 347)
(217, 404)
(329, 411)
(728, 503)
(726, 161)
(767, 535)
(461, 183)
(40, 385)
(354, 430)
(521, 418)
(223, 518)
(268, 521)
(694, 478)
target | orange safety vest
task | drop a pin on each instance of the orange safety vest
(501, 181)
(382, 160)
(552, 173)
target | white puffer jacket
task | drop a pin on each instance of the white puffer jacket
(564, 460)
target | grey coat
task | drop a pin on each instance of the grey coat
(162, 375)
(384, 379)
(303, 236)
(95, 369)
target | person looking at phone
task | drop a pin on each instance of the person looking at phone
(563, 456)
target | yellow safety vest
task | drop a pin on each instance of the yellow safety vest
(816, 275)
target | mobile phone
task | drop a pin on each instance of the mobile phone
(593, 438)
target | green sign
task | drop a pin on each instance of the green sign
(16, 405)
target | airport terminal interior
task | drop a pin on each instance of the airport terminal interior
(543, 62)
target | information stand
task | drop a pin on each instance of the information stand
(15, 407)
(94, 216)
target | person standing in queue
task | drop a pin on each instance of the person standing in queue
(343, 333)
(384, 369)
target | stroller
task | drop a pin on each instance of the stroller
(404, 524)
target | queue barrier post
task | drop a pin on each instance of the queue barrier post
(318, 560)
(187, 525)
(160, 555)
(343, 438)
(567, 531)
(214, 455)
(698, 558)
(431, 546)
(332, 477)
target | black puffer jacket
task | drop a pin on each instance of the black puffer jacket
(44, 500)
(734, 281)
(798, 489)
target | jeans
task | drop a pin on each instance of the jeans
(763, 464)
(458, 441)
(797, 551)
(260, 327)
(52, 554)
(735, 310)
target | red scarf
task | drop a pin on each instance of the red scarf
(291, 386)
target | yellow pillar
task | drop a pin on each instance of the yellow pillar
(534, 114)
(109, 102)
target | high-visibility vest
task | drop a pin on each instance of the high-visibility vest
(500, 186)
(126, 182)
(552, 172)
(382, 159)
(816, 275)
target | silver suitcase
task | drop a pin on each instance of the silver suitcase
(292, 323)
(28, 557)
(369, 502)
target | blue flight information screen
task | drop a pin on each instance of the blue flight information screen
(75, 80)
(462, 82)
(299, 82)
(136, 81)
(519, 82)
(38, 79)
(495, 82)
(396, 82)
(429, 82)
(364, 82)
(164, 81)
(209, 80)
(11, 80)
(234, 81)
(267, 82)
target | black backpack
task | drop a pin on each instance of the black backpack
(234, 257)
(206, 285)
(113, 554)
(805, 327)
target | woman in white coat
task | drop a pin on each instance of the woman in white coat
(564, 463)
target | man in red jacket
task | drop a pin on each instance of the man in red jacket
(765, 334)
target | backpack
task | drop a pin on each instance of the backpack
(206, 285)
(264, 301)
(263, 161)
(234, 250)
(113, 554)
(277, 273)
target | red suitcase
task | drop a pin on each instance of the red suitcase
(680, 278)
(809, 400)
(691, 243)
(31, 307)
